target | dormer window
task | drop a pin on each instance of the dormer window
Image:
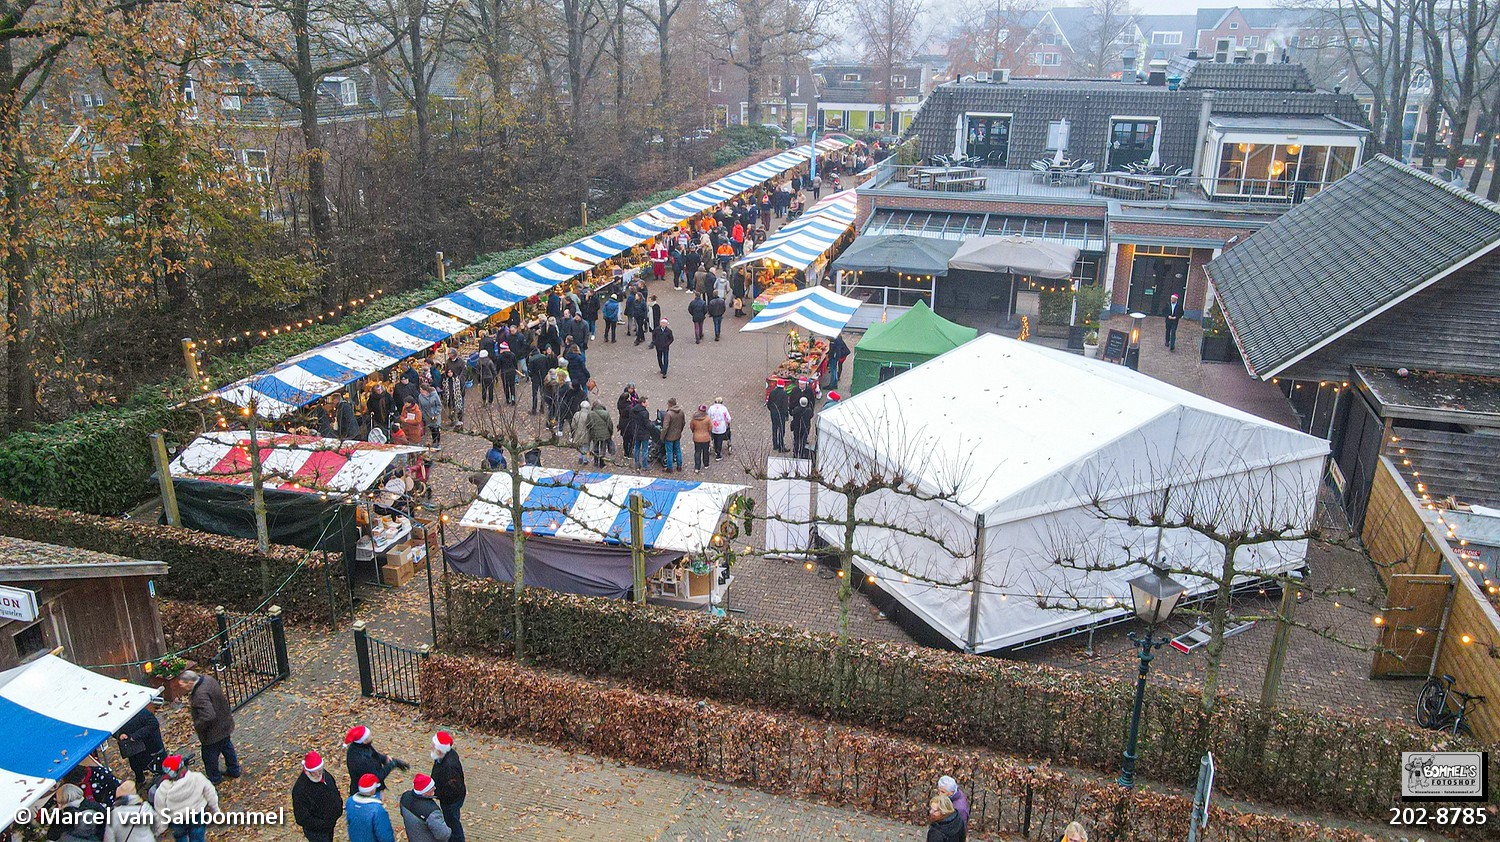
(898, 81)
(346, 89)
(851, 77)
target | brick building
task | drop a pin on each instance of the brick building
(1251, 141)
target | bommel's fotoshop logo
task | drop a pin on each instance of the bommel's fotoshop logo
(1444, 776)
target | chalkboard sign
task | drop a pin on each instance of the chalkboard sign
(1114, 346)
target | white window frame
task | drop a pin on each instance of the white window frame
(716, 84)
(348, 93)
(1252, 40)
(1166, 39)
(851, 77)
(898, 80)
(230, 102)
(1052, 60)
(1057, 135)
(1234, 25)
(189, 91)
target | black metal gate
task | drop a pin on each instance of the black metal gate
(252, 655)
(388, 671)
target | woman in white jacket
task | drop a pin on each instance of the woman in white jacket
(131, 819)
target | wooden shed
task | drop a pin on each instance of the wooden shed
(100, 608)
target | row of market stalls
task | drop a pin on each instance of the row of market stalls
(328, 368)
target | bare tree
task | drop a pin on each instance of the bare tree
(990, 37)
(1110, 22)
(754, 34)
(1455, 35)
(888, 31)
(1378, 39)
(422, 31)
(659, 14)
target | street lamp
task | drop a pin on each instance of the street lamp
(1154, 595)
(1133, 353)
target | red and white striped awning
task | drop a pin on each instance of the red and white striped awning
(288, 462)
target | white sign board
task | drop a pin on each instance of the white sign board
(17, 604)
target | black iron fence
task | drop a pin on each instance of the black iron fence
(388, 671)
(252, 654)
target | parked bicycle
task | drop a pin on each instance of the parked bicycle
(1432, 706)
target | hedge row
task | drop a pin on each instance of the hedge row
(808, 758)
(1324, 758)
(189, 629)
(100, 461)
(203, 567)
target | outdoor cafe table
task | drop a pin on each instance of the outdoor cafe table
(929, 178)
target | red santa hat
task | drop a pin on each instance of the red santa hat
(442, 741)
(172, 766)
(357, 734)
(423, 785)
(313, 762)
(368, 784)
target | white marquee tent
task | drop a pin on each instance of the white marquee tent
(1018, 441)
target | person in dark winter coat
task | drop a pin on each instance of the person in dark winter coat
(697, 310)
(642, 315)
(507, 363)
(578, 370)
(379, 406)
(590, 312)
(641, 433)
(140, 743)
(578, 332)
(344, 422)
(837, 353)
(420, 814)
(537, 366)
(554, 305)
(780, 410)
(716, 308)
(364, 759)
(448, 775)
(944, 822)
(487, 369)
(661, 340)
(550, 337)
(622, 411)
(213, 719)
(802, 415)
(655, 312)
(317, 805)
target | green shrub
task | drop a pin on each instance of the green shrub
(202, 567)
(1091, 303)
(1289, 756)
(1056, 306)
(742, 141)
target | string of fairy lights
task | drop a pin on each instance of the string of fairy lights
(1471, 558)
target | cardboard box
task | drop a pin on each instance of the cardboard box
(406, 553)
(396, 575)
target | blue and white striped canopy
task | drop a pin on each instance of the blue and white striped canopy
(820, 310)
(52, 714)
(800, 243)
(314, 374)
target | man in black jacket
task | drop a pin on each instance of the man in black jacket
(448, 774)
(364, 759)
(507, 363)
(802, 419)
(776, 404)
(1174, 318)
(140, 743)
(716, 309)
(697, 310)
(537, 366)
(316, 803)
(661, 340)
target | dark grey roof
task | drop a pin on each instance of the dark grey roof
(267, 91)
(1352, 251)
(1465, 466)
(1209, 18)
(1248, 76)
(1087, 105)
(1301, 125)
(1186, 24)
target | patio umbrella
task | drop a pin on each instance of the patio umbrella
(1155, 161)
(1015, 256)
(1060, 157)
(897, 253)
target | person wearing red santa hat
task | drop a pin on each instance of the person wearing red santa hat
(183, 795)
(368, 820)
(448, 772)
(364, 759)
(316, 802)
(421, 815)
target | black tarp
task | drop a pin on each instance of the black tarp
(558, 565)
(294, 518)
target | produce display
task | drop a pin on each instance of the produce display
(804, 358)
(783, 284)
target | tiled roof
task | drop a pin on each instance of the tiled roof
(1465, 466)
(1248, 76)
(1354, 250)
(21, 559)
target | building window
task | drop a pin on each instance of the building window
(716, 84)
(1234, 26)
(1290, 170)
(348, 93)
(1003, 35)
(89, 100)
(1052, 40)
(1166, 39)
(820, 79)
(1057, 135)
(1052, 59)
(851, 77)
(30, 641)
(1252, 40)
(230, 102)
(898, 81)
(989, 137)
(189, 92)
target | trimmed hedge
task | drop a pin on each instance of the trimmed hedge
(1323, 758)
(203, 567)
(100, 461)
(782, 753)
(189, 629)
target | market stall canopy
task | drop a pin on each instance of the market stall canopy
(800, 243)
(1015, 255)
(326, 369)
(288, 462)
(820, 310)
(1022, 440)
(565, 566)
(914, 338)
(680, 515)
(52, 714)
(902, 253)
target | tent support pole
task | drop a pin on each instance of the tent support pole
(974, 585)
(164, 478)
(638, 547)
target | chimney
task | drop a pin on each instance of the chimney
(1127, 67)
(1157, 77)
(1192, 55)
(1285, 57)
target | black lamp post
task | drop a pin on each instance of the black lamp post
(1154, 596)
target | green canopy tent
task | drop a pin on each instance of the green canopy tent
(914, 338)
